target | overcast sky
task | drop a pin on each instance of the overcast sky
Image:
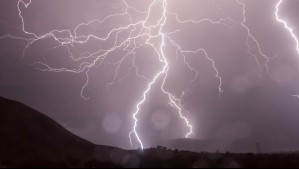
(254, 106)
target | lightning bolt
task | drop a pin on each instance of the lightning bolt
(296, 96)
(287, 27)
(251, 38)
(173, 100)
(286, 24)
(139, 33)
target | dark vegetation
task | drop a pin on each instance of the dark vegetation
(30, 139)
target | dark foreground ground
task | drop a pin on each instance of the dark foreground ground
(162, 158)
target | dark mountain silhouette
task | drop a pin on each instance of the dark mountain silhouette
(30, 139)
(27, 135)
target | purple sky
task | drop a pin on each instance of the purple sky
(255, 106)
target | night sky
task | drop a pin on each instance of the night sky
(256, 104)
